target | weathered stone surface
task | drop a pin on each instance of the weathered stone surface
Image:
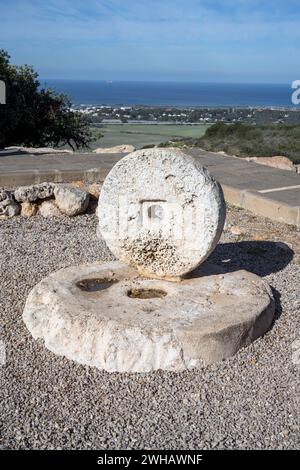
(78, 184)
(161, 212)
(71, 201)
(49, 209)
(8, 206)
(29, 209)
(95, 189)
(34, 192)
(198, 321)
(126, 148)
(278, 161)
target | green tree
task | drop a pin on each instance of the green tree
(34, 116)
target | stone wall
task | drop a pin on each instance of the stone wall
(49, 200)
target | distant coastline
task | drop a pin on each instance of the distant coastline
(183, 95)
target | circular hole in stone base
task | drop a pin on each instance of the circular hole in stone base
(146, 293)
(94, 285)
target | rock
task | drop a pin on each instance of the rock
(34, 192)
(36, 150)
(260, 237)
(71, 201)
(29, 209)
(280, 162)
(92, 188)
(235, 230)
(8, 206)
(49, 209)
(126, 148)
(107, 317)
(161, 212)
(79, 184)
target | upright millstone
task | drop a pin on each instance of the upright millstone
(161, 212)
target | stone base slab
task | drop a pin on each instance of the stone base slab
(108, 317)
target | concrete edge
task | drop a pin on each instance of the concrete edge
(247, 199)
(28, 177)
(261, 205)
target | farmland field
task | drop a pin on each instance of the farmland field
(145, 134)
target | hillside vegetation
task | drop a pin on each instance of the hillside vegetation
(246, 140)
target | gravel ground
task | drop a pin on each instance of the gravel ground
(246, 402)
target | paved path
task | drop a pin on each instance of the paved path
(265, 191)
(241, 174)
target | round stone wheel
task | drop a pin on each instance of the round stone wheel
(109, 317)
(161, 212)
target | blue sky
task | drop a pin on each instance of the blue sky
(181, 40)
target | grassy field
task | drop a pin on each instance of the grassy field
(145, 134)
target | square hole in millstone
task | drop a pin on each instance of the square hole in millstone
(153, 213)
(142, 293)
(95, 284)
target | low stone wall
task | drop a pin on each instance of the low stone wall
(49, 199)
(279, 162)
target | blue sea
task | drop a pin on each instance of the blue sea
(98, 92)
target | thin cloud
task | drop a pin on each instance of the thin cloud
(194, 29)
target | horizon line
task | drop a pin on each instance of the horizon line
(110, 81)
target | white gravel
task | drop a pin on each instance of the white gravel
(249, 401)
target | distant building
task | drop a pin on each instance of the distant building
(111, 121)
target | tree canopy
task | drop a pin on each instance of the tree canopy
(35, 116)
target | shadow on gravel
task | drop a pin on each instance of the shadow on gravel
(278, 307)
(258, 257)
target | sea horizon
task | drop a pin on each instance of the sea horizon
(93, 92)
